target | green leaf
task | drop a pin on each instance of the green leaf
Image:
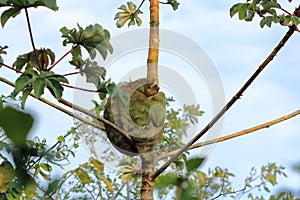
(30, 188)
(243, 11)
(39, 85)
(295, 20)
(234, 9)
(193, 164)
(55, 88)
(61, 138)
(11, 12)
(108, 184)
(22, 82)
(111, 89)
(287, 20)
(93, 72)
(83, 176)
(46, 167)
(174, 4)
(26, 92)
(93, 38)
(17, 5)
(266, 21)
(99, 165)
(7, 173)
(16, 125)
(164, 181)
(271, 178)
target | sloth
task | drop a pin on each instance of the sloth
(139, 109)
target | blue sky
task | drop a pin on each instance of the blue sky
(236, 48)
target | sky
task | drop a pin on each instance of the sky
(235, 49)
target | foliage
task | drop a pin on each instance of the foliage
(93, 38)
(15, 7)
(128, 13)
(269, 10)
(29, 166)
(192, 183)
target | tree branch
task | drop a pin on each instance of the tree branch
(78, 108)
(229, 104)
(31, 38)
(234, 135)
(88, 113)
(60, 59)
(51, 104)
(78, 88)
(11, 68)
(139, 7)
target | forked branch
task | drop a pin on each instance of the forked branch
(230, 103)
(78, 108)
(234, 135)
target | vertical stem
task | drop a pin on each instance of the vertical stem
(147, 181)
(152, 72)
(31, 38)
(152, 61)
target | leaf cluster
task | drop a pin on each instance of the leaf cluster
(15, 7)
(93, 38)
(270, 11)
(174, 3)
(129, 13)
(177, 124)
(38, 81)
(217, 183)
(33, 159)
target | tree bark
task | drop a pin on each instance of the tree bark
(152, 72)
(152, 61)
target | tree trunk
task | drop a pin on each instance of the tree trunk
(152, 61)
(152, 72)
(147, 181)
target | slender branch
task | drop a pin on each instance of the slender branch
(9, 67)
(234, 135)
(70, 74)
(87, 112)
(284, 10)
(31, 38)
(232, 192)
(139, 7)
(67, 53)
(52, 147)
(78, 88)
(80, 109)
(49, 103)
(229, 104)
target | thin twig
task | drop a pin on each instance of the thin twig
(78, 88)
(87, 112)
(31, 38)
(139, 7)
(11, 68)
(234, 135)
(53, 146)
(49, 103)
(232, 192)
(67, 53)
(80, 109)
(229, 104)
(70, 74)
